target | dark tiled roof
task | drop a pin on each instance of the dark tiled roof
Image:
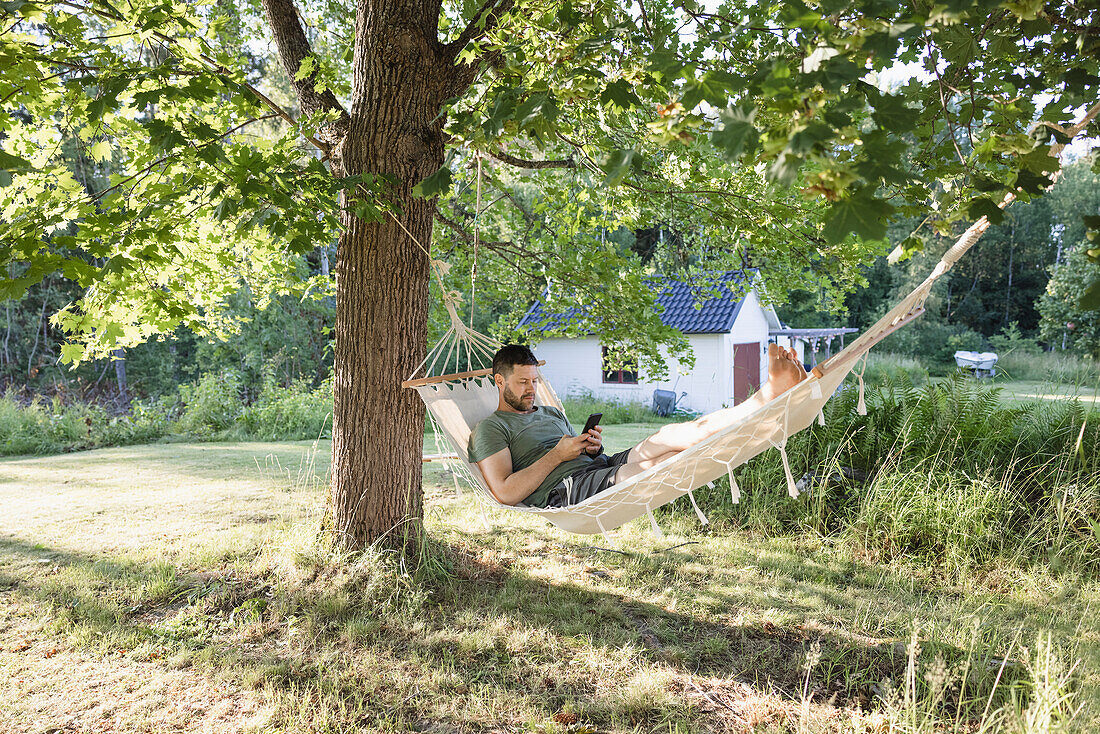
(678, 299)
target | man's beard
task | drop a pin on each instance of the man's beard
(516, 402)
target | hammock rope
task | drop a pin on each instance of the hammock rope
(459, 401)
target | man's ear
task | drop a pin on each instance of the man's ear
(498, 379)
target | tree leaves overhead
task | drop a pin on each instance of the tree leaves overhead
(782, 136)
(737, 136)
(861, 214)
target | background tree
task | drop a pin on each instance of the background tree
(1065, 324)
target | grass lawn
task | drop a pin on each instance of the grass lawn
(178, 587)
(1034, 390)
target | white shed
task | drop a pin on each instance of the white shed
(729, 336)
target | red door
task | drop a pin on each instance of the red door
(746, 370)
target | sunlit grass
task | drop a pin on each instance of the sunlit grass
(205, 559)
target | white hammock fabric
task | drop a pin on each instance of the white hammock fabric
(459, 402)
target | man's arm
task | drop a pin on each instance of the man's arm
(510, 487)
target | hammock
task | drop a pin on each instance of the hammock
(459, 401)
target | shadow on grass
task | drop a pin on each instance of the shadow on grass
(484, 644)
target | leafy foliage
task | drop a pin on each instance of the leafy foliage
(680, 115)
(1065, 323)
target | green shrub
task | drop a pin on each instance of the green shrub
(292, 413)
(54, 427)
(212, 404)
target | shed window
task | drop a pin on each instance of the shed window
(622, 374)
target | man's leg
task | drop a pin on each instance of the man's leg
(784, 372)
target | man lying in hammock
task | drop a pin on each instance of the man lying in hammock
(529, 453)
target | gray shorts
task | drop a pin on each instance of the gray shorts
(594, 478)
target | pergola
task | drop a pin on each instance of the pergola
(815, 338)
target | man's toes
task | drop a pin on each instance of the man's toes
(773, 350)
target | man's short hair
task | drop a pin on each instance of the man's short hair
(510, 356)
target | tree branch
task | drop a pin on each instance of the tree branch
(511, 160)
(213, 66)
(294, 48)
(485, 20)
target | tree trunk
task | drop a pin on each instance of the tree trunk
(119, 358)
(1008, 289)
(382, 280)
(401, 75)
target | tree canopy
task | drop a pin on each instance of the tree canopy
(779, 136)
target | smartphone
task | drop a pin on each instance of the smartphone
(592, 422)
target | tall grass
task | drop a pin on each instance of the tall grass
(944, 474)
(50, 427)
(1025, 691)
(885, 367)
(1053, 367)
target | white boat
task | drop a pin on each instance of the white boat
(981, 362)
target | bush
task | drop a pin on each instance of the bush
(212, 404)
(54, 427)
(291, 413)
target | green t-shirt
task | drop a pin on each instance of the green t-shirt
(528, 436)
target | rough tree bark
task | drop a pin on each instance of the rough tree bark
(402, 74)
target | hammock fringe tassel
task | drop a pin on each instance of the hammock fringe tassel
(698, 512)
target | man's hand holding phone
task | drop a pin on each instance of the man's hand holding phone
(592, 431)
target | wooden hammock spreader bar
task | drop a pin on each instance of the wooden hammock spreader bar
(455, 376)
(437, 457)
(820, 370)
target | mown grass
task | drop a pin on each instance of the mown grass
(204, 559)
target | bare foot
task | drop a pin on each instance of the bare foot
(784, 371)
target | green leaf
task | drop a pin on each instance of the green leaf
(908, 247)
(621, 94)
(891, 113)
(72, 353)
(1090, 301)
(987, 208)
(738, 136)
(618, 164)
(862, 215)
(11, 163)
(100, 151)
(1039, 160)
(810, 138)
(1092, 230)
(1032, 183)
(434, 185)
(304, 69)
